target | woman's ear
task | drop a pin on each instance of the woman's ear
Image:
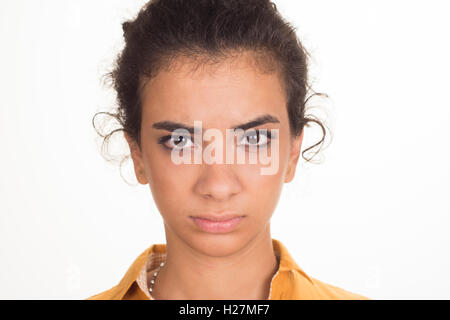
(136, 155)
(296, 146)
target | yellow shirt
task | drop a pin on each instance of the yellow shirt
(288, 283)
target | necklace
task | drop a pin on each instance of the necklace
(152, 282)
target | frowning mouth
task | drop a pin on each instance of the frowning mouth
(218, 224)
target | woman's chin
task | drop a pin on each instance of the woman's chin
(218, 245)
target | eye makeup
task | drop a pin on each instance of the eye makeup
(259, 133)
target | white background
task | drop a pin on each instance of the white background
(373, 218)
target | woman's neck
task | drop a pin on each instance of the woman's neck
(245, 275)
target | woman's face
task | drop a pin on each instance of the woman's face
(223, 97)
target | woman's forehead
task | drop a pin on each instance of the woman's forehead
(232, 87)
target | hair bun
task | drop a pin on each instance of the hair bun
(126, 27)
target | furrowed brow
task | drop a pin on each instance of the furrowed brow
(172, 126)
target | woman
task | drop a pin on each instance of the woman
(214, 65)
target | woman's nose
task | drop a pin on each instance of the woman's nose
(218, 182)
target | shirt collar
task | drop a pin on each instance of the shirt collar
(151, 258)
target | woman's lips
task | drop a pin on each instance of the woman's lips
(217, 225)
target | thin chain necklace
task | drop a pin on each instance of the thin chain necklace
(152, 282)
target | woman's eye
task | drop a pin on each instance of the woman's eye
(259, 138)
(177, 142)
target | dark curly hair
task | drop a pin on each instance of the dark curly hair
(208, 32)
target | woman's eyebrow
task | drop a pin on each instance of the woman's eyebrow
(172, 126)
(267, 118)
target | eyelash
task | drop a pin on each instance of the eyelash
(268, 134)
